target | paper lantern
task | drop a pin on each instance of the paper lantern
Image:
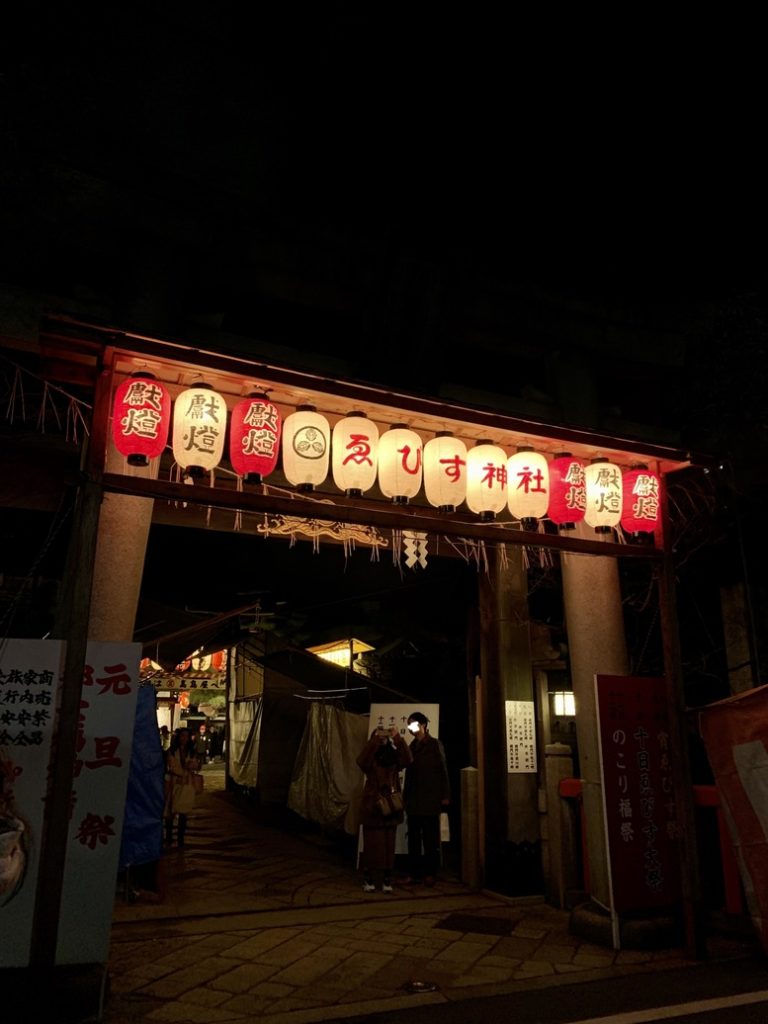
(602, 480)
(306, 448)
(527, 486)
(354, 453)
(254, 437)
(567, 493)
(486, 479)
(641, 489)
(141, 418)
(199, 429)
(400, 466)
(445, 471)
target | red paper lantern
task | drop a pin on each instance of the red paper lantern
(141, 418)
(567, 493)
(254, 437)
(641, 489)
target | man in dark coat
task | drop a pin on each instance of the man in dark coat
(426, 793)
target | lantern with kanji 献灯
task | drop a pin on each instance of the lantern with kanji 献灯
(641, 489)
(486, 480)
(527, 486)
(400, 465)
(354, 453)
(602, 480)
(306, 448)
(445, 471)
(141, 418)
(254, 437)
(199, 429)
(567, 492)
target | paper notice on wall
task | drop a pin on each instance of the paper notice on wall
(30, 676)
(521, 736)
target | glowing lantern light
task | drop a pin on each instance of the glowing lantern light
(568, 496)
(141, 418)
(306, 448)
(445, 471)
(354, 451)
(486, 479)
(254, 437)
(602, 480)
(199, 429)
(641, 492)
(527, 486)
(400, 466)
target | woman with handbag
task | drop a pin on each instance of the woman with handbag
(180, 789)
(381, 810)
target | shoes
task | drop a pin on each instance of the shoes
(369, 887)
(387, 887)
(429, 881)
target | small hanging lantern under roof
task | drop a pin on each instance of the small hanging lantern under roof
(445, 471)
(306, 448)
(254, 437)
(400, 465)
(641, 489)
(602, 480)
(354, 453)
(199, 429)
(527, 486)
(486, 479)
(567, 491)
(141, 418)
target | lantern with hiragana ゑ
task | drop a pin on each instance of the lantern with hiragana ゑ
(141, 418)
(602, 480)
(527, 486)
(199, 429)
(486, 480)
(354, 453)
(567, 492)
(254, 437)
(400, 465)
(306, 448)
(445, 471)
(641, 490)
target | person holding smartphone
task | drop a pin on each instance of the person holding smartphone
(426, 793)
(384, 755)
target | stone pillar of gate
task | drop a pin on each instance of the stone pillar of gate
(120, 551)
(513, 845)
(596, 645)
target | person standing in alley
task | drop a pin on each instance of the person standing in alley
(385, 753)
(426, 794)
(180, 792)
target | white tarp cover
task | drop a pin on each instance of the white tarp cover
(243, 741)
(327, 783)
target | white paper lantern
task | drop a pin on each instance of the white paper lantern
(528, 486)
(199, 429)
(306, 448)
(400, 466)
(354, 453)
(445, 471)
(602, 480)
(486, 479)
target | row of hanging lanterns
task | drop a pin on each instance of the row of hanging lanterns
(566, 489)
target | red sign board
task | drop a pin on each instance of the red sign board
(638, 797)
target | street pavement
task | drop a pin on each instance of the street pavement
(256, 921)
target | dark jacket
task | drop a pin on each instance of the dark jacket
(380, 779)
(426, 780)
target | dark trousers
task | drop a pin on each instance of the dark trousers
(423, 831)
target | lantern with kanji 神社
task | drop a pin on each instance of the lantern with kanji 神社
(254, 437)
(199, 429)
(602, 480)
(400, 465)
(445, 471)
(141, 418)
(527, 486)
(641, 489)
(354, 453)
(567, 492)
(486, 480)
(306, 448)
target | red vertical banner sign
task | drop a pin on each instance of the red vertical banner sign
(735, 734)
(638, 797)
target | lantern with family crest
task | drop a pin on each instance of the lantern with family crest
(306, 448)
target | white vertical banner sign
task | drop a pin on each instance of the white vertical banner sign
(521, 736)
(102, 761)
(30, 675)
(387, 715)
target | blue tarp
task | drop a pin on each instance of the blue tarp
(142, 841)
